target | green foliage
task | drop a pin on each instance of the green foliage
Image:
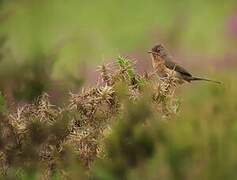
(117, 130)
(129, 145)
(126, 65)
(2, 103)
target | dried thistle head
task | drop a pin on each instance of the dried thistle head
(106, 93)
(46, 112)
(105, 74)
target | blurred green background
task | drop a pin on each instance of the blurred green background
(55, 45)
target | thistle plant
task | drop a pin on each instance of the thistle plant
(42, 137)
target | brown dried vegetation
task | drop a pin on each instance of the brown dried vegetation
(42, 136)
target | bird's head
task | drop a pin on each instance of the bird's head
(159, 51)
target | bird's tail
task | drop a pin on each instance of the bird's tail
(204, 79)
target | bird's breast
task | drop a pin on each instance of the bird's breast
(160, 68)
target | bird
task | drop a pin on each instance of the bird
(163, 63)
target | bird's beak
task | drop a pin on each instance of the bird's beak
(152, 52)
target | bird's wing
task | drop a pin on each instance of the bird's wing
(173, 66)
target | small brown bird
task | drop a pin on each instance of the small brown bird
(163, 64)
